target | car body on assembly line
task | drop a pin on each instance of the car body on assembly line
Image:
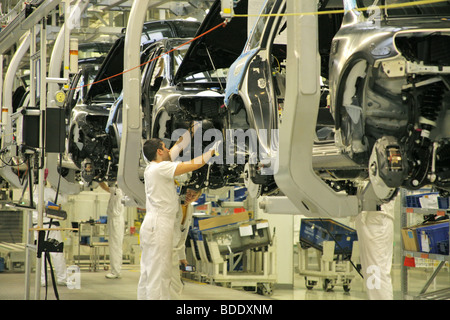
(88, 144)
(383, 114)
(162, 58)
(389, 96)
(256, 88)
(196, 94)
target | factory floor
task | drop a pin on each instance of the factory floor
(94, 286)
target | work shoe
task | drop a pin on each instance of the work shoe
(112, 276)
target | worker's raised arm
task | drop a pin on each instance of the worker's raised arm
(184, 140)
(194, 164)
(104, 186)
(197, 163)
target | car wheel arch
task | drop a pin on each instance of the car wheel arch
(342, 85)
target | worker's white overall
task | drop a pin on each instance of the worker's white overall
(179, 251)
(116, 225)
(156, 239)
(376, 240)
(156, 233)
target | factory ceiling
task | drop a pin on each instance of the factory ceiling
(102, 21)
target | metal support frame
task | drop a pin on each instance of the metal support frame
(60, 51)
(259, 268)
(296, 176)
(21, 24)
(304, 189)
(404, 273)
(37, 76)
(29, 248)
(328, 271)
(32, 26)
(5, 171)
(42, 105)
(131, 142)
(1, 83)
(131, 145)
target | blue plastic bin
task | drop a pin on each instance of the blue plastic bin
(85, 240)
(413, 201)
(443, 203)
(103, 219)
(313, 232)
(240, 194)
(436, 234)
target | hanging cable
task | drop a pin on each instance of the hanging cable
(143, 64)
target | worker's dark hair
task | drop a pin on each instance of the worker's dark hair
(150, 147)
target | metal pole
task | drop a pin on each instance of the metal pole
(433, 276)
(29, 247)
(1, 87)
(403, 268)
(127, 175)
(41, 154)
(66, 40)
(33, 87)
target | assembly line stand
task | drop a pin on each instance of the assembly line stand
(36, 24)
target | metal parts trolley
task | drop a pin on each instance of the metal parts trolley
(336, 248)
(93, 235)
(238, 255)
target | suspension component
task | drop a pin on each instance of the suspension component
(430, 106)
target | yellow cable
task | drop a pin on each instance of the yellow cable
(386, 6)
(395, 5)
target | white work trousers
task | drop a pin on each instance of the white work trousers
(176, 284)
(156, 241)
(376, 240)
(180, 234)
(116, 225)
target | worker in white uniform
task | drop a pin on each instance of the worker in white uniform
(162, 205)
(116, 226)
(183, 221)
(57, 258)
(375, 231)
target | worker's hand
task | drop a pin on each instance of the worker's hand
(192, 195)
(184, 262)
(216, 148)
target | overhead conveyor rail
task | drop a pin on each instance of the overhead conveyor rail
(24, 21)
